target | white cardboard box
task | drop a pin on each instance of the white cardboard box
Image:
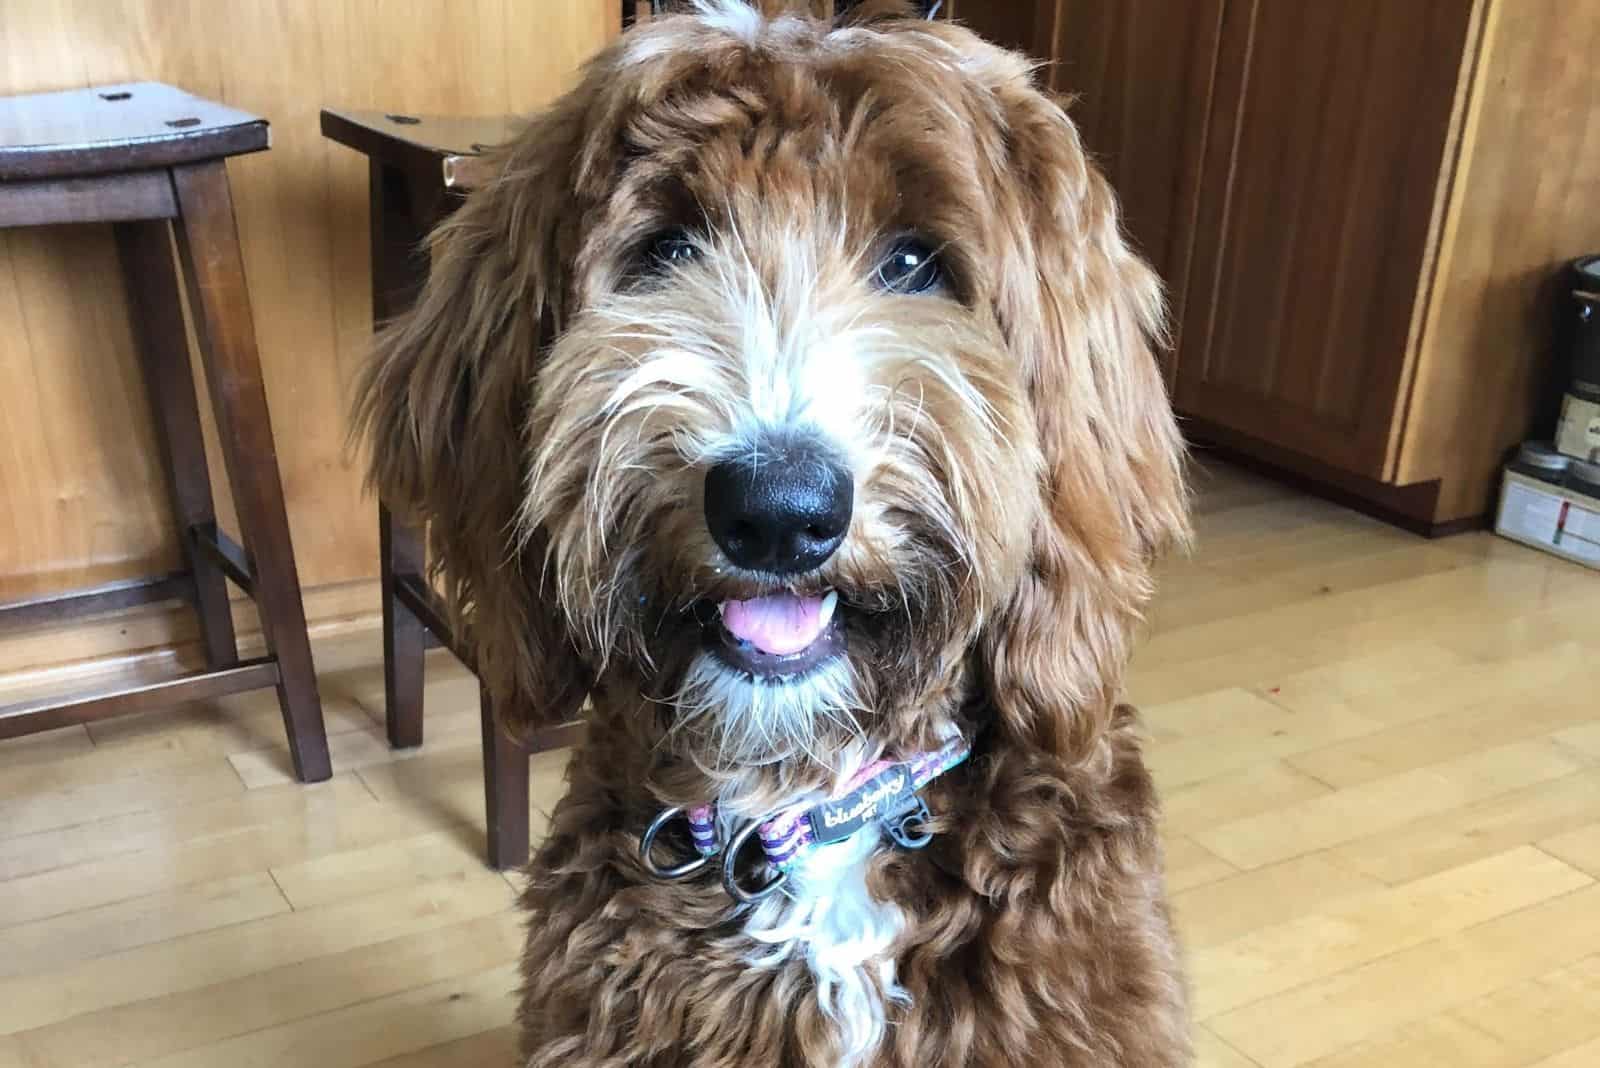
(1553, 518)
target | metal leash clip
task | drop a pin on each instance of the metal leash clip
(646, 844)
(730, 866)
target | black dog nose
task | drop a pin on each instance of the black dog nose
(783, 513)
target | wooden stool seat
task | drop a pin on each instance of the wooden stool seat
(149, 158)
(115, 128)
(419, 167)
(423, 145)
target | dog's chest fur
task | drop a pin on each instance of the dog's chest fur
(828, 919)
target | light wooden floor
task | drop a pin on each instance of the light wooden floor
(1381, 760)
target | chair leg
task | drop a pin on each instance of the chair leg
(399, 266)
(505, 791)
(400, 550)
(152, 281)
(402, 213)
(214, 271)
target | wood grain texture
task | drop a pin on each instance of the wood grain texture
(169, 896)
(219, 303)
(1328, 129)
(1523, 204)
(1137, 76)
(150, 272)
(85, 498)
(28, 717)
(1388, 195)
(50, 201)
(1140, 73)
(1026, 25)
(111, 129)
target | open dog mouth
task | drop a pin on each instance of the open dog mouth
(778, 635)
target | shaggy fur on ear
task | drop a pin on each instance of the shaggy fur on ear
(444, 401)
(1083, 315)
(1060, 822)
(550, 408)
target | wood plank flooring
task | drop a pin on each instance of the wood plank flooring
(1380, 759)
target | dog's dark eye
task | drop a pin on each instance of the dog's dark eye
(910, 267)
(670, 248)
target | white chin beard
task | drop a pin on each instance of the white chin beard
(762, 721)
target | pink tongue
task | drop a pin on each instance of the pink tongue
(780, 624)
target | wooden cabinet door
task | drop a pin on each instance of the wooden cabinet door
(1140, 74)
(1023, 25)
(1326, 141)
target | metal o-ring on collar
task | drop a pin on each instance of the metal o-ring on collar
(730, 864)
(679, 871)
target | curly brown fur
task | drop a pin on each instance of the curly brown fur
(550, 408)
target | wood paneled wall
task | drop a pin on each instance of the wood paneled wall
(81, 494)
(1526, 200)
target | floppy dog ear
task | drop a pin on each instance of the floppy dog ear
(1082, 313)
(442, 407)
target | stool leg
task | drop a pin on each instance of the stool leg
(400, 550)
(399, 266)
(505, 791)
(145, 249)
(214, 271)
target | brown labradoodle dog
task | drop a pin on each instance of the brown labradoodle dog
(788, 393)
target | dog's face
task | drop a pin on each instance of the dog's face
(782, 449)
(804, 371)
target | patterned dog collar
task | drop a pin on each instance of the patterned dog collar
(884, 794)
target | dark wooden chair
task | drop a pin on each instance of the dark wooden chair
(149, 159)
(419, 168)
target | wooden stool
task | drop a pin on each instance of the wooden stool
(150, 159)
(418, 170)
